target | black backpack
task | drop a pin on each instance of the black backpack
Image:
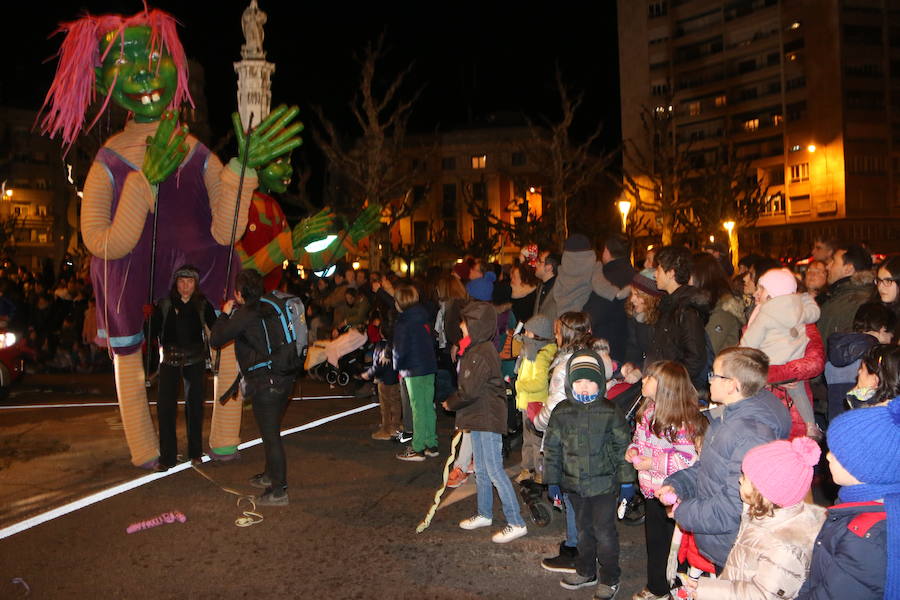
(283, 319)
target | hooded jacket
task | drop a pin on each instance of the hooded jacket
(777, 327)
(584, 446)
(711, 504)
(725, 323)
(610, 288)
(846, 296)
(770, 559)
(573, 282)
(480, 400)
(679, 333)
(413, 344)
(845, 350)
(533, 380)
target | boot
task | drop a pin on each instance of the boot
(564, 562)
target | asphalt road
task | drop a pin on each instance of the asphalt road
(349, 531)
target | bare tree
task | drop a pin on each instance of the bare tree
(655, 170)
(373, 167)
(569, 167)
(724, 188)
(525, 228)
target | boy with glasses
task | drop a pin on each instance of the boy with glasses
(709, 501)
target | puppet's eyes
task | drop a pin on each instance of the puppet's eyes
(121, 60)
(154, 56)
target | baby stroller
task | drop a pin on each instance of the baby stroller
(338, 360)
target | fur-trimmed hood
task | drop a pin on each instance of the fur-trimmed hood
(732, 305)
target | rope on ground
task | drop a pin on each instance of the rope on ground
(454, 444)
(249, 517)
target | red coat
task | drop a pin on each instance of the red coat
(803, 369)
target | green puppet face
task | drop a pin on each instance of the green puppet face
(141, 81)
(275, 176)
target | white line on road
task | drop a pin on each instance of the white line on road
(96, 404)
(135, 483)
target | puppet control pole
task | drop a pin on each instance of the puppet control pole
(237, 208)
(150, 290)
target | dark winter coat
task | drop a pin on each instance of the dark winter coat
(638, 342)
(844, 353)
(679, 332)
(413, 344)
(244, 326)
(607, 311)
(480, 400)
(584, 446)
(710, 500)
(844, 299)
(381, 371)
(850, 554)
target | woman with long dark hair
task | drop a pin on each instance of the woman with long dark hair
(888, 282)
(727, 315)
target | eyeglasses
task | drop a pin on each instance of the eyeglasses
(886, 280)
(713, 375)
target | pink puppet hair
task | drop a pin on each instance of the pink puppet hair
(74, 85)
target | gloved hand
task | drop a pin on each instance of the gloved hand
(554, 492)
(626, 492)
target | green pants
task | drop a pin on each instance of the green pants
(421, 400)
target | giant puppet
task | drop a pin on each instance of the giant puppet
(154, 171)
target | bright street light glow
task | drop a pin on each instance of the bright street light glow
(728, 225)
(319, 245)
(811, 148)
(355, 265)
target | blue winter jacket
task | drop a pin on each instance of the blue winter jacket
(850, 555)
(413, 343)
(709, 489)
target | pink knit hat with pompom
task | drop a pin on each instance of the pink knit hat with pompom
(782, 471)
(778, 282)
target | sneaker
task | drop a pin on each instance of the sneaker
(606, 592)
(475, 522)
(509, 533)
(432, 452)
(456, 478)
(564, 562)
(381, 434)
(523, 475)
(411, 455)
(404, 436)
(574, 581)
(272, 498)
(261, 481)
(646, 594)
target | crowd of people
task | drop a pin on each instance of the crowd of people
(713, 394)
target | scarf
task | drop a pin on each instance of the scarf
(585, 398)
(867, 492)
(533, 345)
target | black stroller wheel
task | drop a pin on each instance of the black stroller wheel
(331, 377)
(343, 378)
(635, 511)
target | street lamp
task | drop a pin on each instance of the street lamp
(8, 194)
(624, 207)
(732, 242)
(811, 148)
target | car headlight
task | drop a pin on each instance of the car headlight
(7, 339)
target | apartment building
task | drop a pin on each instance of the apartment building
(809, 90)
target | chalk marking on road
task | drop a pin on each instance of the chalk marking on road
(99, 404)
(135, 483)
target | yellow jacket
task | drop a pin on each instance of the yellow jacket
(533, 381)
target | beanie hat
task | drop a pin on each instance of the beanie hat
(541, 326)
(782, 471)
(866, 442)
(646, 285)
(778, 282)
(587, 365)
(188, 272)
(577, 242)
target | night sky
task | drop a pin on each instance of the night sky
(472, 59)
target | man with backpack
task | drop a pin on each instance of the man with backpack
(264, 329)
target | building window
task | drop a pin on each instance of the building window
(799, 172)
(448, 204)
(721, 100)
(479, 191)
(42, 210)
(751, 124)
(20, 210)
(795, 148)
(479, 161)
(448, 163)
(420, 233)
(42, 238)
(694, 108)
(659, 8)
(796, 111)
(866, 165)
(518, 159)
(775, 175)
(800, 205)
(419, 194)
(774, 204)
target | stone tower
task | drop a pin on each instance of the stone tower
(254, 94)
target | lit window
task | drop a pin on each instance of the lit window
(694, 108)
(479, 161)
(799, 172)
(42, 210)
(777, 120)
(751, 125)
(721, 100)
(795, 148)
(795, 25)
